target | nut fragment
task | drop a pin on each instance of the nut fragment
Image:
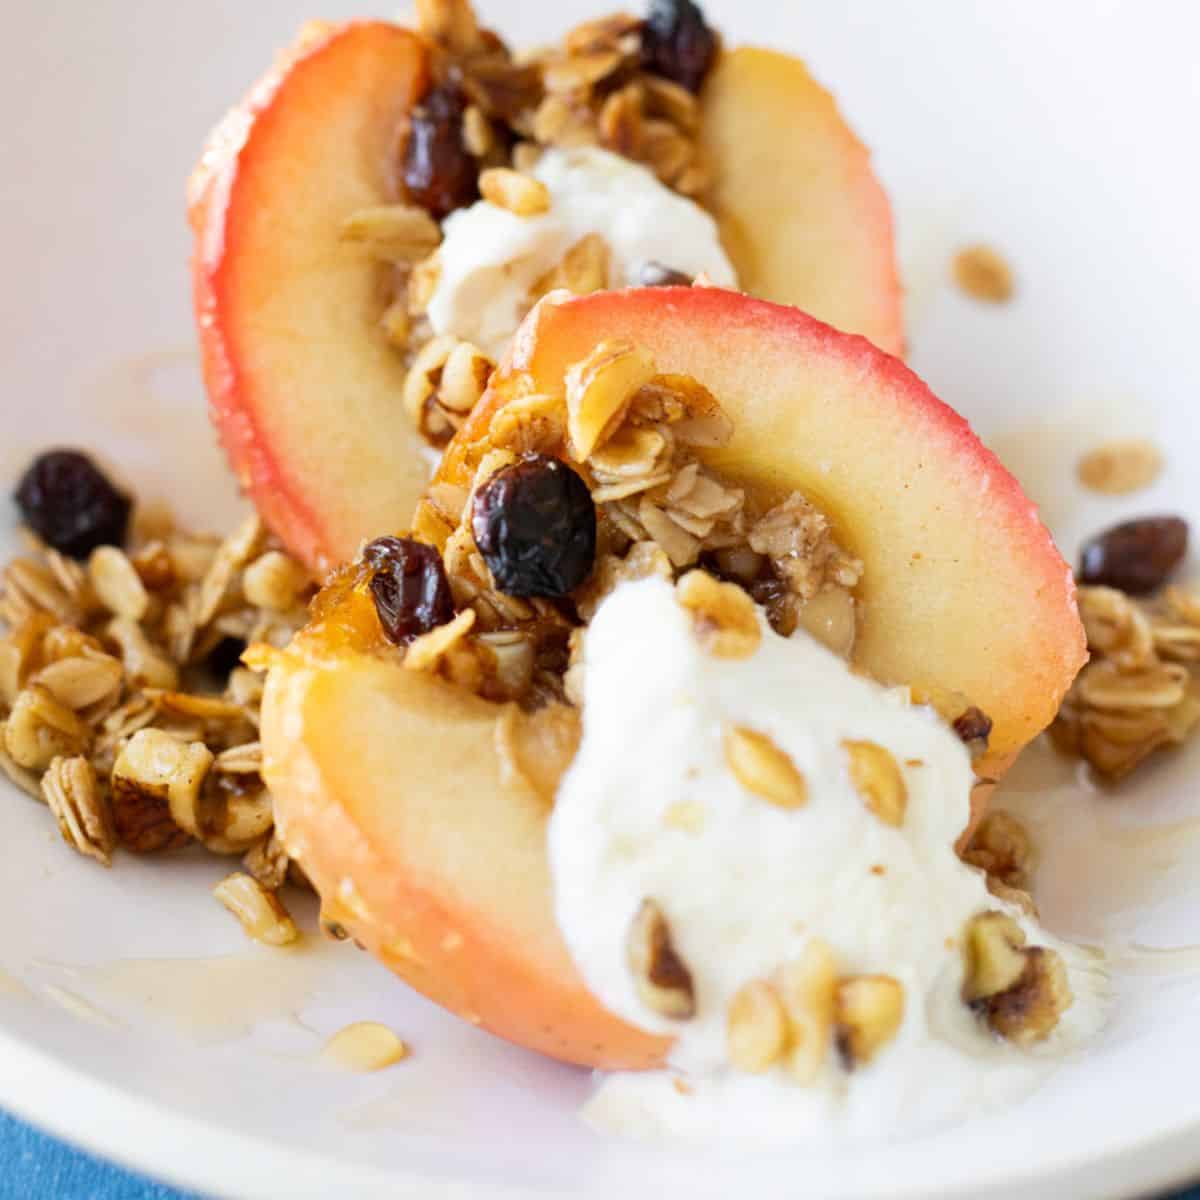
(1021, 991)
(260, 913)
(464, 378)
(663, 981)
(868, 1010)
(365, 1046)
(878, 780)
(157, 770)
(756, 1027)
(974, 728)
(983, 274)
(1001, 847)
(806, 987)
(600, 389)
(82, 812)
(1118, 468)
(761, 767)
(723, 615)
(523, 195)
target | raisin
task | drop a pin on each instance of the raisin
(410, 589)
(656, 274)
(437, 171)
(1136, 556)
(974, 728)
(535, 525)
(71, 504)
(678, 43)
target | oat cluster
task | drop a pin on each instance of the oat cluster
(124, 707)
(1138, 694)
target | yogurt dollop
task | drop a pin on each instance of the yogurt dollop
(744, 884)
(491, 258)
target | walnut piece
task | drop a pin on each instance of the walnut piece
(663, 981)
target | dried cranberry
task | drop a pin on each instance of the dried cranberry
(535, 525)
(437, 171)
(71, 504)
(656, 274)
(409, 587)
(678, 43)
(1136, 556)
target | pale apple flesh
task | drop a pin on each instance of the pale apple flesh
(802, 214)
(304, 387)
(389, 786)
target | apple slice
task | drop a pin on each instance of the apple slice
(304, 389)
(391, 787)
(802, 215)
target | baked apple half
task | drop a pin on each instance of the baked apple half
(320, 201)
(415, 733)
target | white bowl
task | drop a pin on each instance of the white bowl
(1064, 135)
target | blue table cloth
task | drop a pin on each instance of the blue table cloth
(36, 1167)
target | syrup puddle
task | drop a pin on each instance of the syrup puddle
(1099, 874)
(80, 1008)
(211, 999)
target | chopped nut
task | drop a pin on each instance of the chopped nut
(40, 729)
(464, 378)
(274, 580)
(260, 913)
(974, 728)
(868, 1011)
(761, 767)
(450, 23)
(756, 1027)
(538, 747)
(579, 72)
(1001, 847)
(724, 617)
(878, 780)
(806, 987)
(393, 232)
(1118, 468)
(664, 983)
(522, 195)
(83, 814)
(600, 389)
(365, 1046)
(994, 959)
(479, 138)
(584, 269)
(117, 584)
(156, 769)
(983, 274)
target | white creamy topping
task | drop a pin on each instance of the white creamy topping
(744, 892)
(491, 258)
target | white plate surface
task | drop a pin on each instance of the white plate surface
(1064, 134)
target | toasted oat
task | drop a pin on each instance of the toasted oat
(393, 232)
(579, 72)
(762, 768)
(464, 378)
(868, 1011)
(117, 584)
(82, 682)
(240, 760)
(801, 544)
(663, 981)
(28, 781)
(585, 268)
(723, 615)
(81, 810)
(756, 1027)
(807, 986)
(259, 912)
(1118, 468)
(422, 283)
(600, 389)
(983, 274)
(523, 195)
(268, 861)
(274, 580)
(157, 768)
(538, 747)
(450, 23)
(878, 780)
(430, 648)
(39, 729)
(365, 1046)
(232, 555)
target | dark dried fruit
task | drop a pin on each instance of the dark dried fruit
(535, 525)
(656, 274)
(409, 587)
(437, 172)
(71, 504)
(225, 656)
(678, 43)
(1136, 556)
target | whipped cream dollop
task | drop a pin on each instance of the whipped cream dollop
(491, 258)
(745, 884)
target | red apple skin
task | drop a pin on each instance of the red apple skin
(268, 269)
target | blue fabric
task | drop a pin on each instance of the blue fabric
(36, 1167)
